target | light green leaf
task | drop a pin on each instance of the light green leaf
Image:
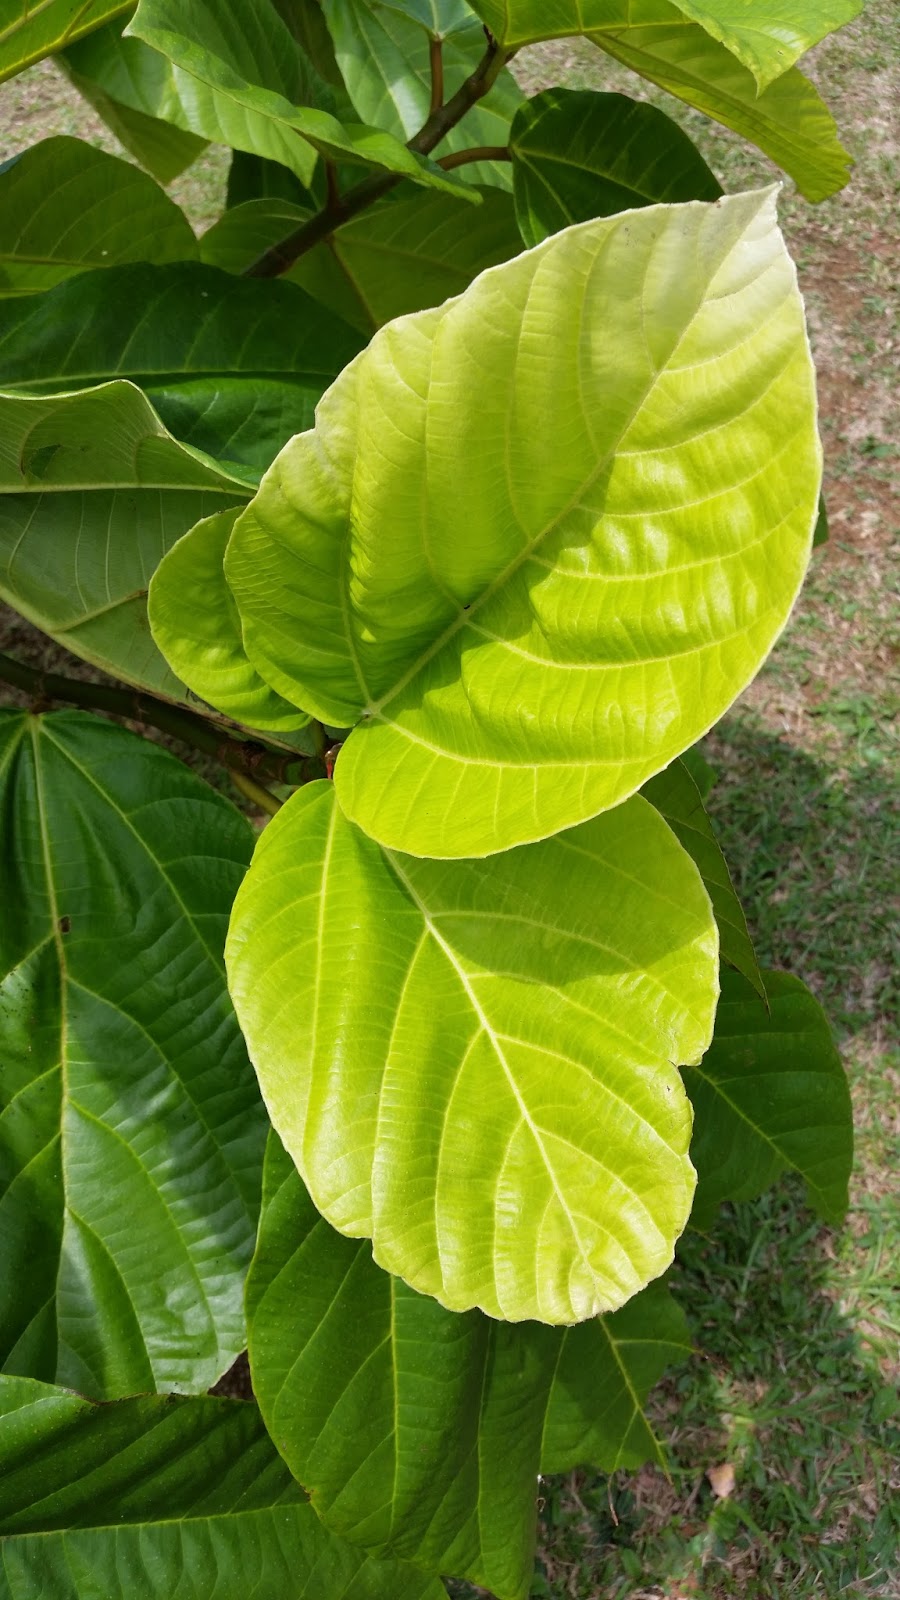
(31, 29)
(243, 80)
(677, 798)
(603, 1374)
(770, 35)
(93, 491)
(233, 367)
(486, 1088)
(195, 623)
(68, 206)
(153, 1498)
(384, 54)
(579, 154)
(770, 1096)
(402, 255)
(537, 602)
(788, 120)
(131, 1132)
(366, 1384)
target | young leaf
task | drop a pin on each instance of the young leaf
(364, 1384)
(769, 36)
(29, 31)
(769, 1096)
(68, 206)
(132, 1133)
(241, 78)
(677, 798)
(402, 255)
(158, 1497)
(558, 590)
(385, 57)
(195, 623)
(93, 491)
(486, 1088)
(233, 367)
(578, 154)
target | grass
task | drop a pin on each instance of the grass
(797, 1326)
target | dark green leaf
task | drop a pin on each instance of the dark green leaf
(93, 492)
(769, 1096)
(822, 534)
(95, 64)
(233, 367)
(676, 797)
(131, 1133)
(67, 206)
(579, 154)
(365, 1384)
(405, 254)
(152, 1498)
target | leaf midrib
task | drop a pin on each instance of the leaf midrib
(465, 616)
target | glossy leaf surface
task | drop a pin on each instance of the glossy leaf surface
(770, 1096)
(384, 54)
(93, 491)
(29, 30)
(232, 367)
(677, 798)
(195, 623)
(579, 154)
(241, 78)
(163, 1497)
(529, 639)
(67, 207)
(486, 1087)
(364, 1384)
(131, 1133)
(401, 256)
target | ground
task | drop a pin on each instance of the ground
(783, 1436)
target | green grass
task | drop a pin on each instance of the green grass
(797, 1326)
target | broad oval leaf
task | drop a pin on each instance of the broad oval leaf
(364, 1383)
(402, 255)
(677, 798)
(67, 206)
(486, 1087)
(580, 154)
(241, 78)
(770, 1096)
(29, 31)
(93, 491)
(151, 1498)
(529, 639)
(131, 1135)
(384, 54)
(195, 623)
(233, 367)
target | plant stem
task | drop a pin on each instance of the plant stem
(437, 76)
(483, 152)
(339, 209)
(243, 756)
(257, 794)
